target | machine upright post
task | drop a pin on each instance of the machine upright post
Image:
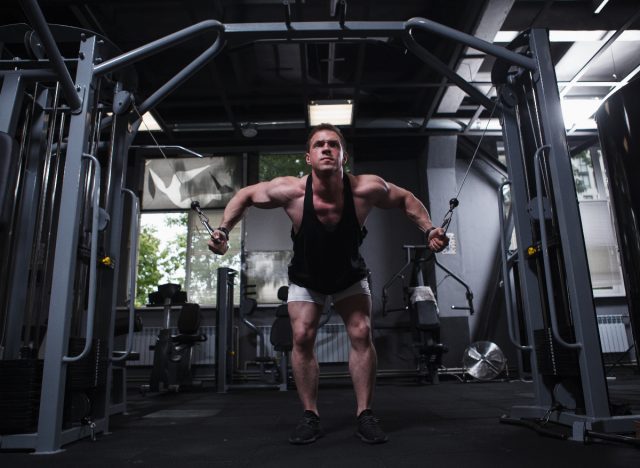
(18, 281)
(529, 284)
(54, 373)
(224, 324)
(574, 254)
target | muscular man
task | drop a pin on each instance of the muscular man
(328, 209)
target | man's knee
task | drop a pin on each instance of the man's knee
(360, 334)
(304, 338)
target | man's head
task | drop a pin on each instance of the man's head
(326, 149)
(330, 127)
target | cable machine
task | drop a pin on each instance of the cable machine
(62, 239)
(65, 143)
(65, 159)
(562, 336)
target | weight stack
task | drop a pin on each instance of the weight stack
(552, 358)
(20, 386)
(90, 372)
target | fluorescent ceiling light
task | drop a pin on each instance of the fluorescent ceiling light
(333, 112)
(486, 124)
(505, 36)
(576, 36)
(561, 35)
(150, 123)
(578, 113)
(629, 35)
(598, 5)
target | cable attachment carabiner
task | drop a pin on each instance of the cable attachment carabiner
(453, 203)
(195, 206)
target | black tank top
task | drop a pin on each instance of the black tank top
(327, 259)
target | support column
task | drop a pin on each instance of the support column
(64, 267)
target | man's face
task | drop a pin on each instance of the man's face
(326, 153)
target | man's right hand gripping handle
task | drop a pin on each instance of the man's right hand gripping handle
(219, 242)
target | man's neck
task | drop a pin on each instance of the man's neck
(328, 186)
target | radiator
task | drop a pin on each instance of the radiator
(203, 352)
(613, 334)
(332, 345)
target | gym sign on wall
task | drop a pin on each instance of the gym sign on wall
(452, 248)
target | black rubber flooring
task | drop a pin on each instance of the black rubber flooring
(452, 424)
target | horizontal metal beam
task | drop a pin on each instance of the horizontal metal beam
(311, 29)
(39, 75)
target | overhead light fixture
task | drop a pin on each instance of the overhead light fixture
(577, 36)
(249, 130)
(563, 35)
(336, 112)
(598, 5)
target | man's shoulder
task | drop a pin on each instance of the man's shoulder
(288, 184)
(287, 180)
(364, 184)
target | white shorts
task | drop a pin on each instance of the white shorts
(301, 294)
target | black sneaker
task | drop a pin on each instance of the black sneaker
(369, 429)
(308, 429)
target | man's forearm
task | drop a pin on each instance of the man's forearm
(417, 213)
(235, 209)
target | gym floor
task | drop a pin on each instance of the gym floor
(450, 424)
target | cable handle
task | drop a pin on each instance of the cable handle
(195, 206)
(453, 203)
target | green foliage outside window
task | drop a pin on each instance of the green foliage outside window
(274, 165)
(152, 261)
(278, 165)
(582, 166)
(202, 265)
(173, 249)
(160, 259)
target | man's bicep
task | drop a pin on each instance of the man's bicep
(391, 196)
(270, 194)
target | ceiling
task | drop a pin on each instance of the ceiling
(398, 99)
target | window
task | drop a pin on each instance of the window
(274, 165)
(597, 224)
(173, 249)
(173, 242)
(202, 265)
(267, 271)
(160, 252)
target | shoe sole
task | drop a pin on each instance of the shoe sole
(369, 441)
(305, 442)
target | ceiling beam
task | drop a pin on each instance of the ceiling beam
(493, 18)
(304, 64)
(599, 52)
(358, 83)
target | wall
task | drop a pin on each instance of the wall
(267, 230)
(474, 229)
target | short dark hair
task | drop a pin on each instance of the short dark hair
(330, 127)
